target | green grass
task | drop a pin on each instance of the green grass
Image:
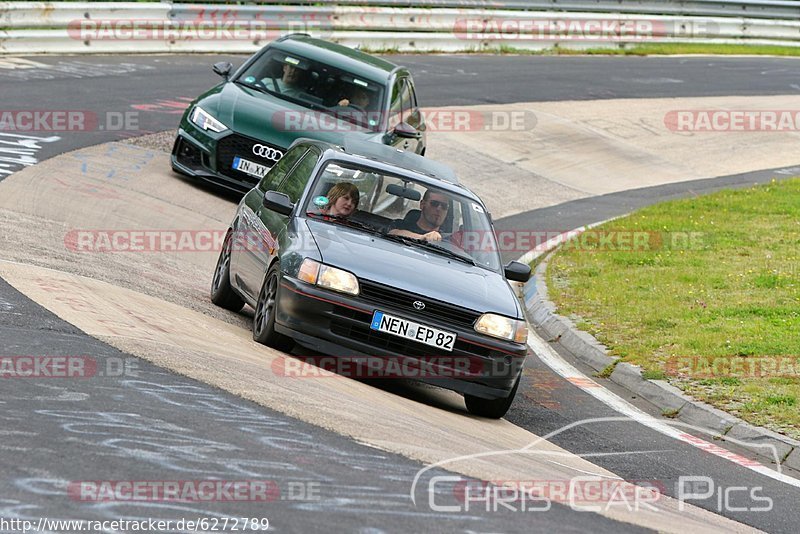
(717, 284)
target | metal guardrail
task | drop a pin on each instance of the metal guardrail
(118, 27)
(773, 9)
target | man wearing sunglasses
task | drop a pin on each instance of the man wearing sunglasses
(433, 211)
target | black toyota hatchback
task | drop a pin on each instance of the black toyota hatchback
(327, 250)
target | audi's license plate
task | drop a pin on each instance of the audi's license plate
(414, 331)
(249, 167)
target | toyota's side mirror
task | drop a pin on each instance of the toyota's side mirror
(518, 272)
(278, 202)
(404, 129)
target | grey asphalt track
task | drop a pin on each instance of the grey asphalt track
(158, 88)
(157, 85)
(147, 424)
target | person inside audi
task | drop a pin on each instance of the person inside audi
(341, 200)
(358, 99)
(290, 83)
(433, 211)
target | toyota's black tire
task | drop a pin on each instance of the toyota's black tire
(493, 409)
(266, 310)
(222, 294)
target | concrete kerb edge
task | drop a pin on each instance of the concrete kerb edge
(541, 313)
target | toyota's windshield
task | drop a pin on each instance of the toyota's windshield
(403, 209)
(317, 86)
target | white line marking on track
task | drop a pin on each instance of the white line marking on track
(552, 359)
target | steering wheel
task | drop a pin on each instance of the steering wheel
(448, 239)
(454, 239)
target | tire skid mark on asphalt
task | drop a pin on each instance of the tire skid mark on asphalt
(552, 359)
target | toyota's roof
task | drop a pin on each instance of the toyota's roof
(390, 159)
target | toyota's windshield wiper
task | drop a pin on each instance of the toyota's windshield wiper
(346, 221)
(429, 246)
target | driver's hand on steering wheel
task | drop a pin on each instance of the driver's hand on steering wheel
(344, 102)
(432, 236)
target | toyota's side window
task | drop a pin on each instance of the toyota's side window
(413, 117)
(278, 172)
(296, 181)
(405, 101)
(395, 107)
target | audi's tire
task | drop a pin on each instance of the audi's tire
(222, 294)
(493, 409)
(266, 310)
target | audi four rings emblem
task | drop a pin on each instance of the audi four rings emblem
(267, 152)
(419, 305)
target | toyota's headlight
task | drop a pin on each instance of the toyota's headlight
(328, 277)
(502, 327)
(203, 120)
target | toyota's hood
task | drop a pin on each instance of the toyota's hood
(274, 120)
(414, 269)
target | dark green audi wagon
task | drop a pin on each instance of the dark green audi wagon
(297, 86)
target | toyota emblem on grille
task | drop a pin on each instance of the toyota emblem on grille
(267, 152)
(419, 305)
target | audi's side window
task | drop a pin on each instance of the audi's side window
(298, 178)
(277, 173)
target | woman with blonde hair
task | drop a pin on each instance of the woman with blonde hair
(342, 200)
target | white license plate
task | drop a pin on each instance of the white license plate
(411, 330)
(250, 167)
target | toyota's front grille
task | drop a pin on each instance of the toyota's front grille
(238, 145)
(434, 309)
